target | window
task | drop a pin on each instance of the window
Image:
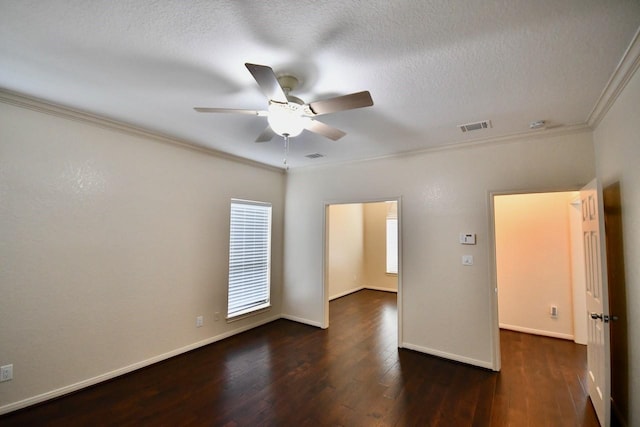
(392, 245)
(249, 257)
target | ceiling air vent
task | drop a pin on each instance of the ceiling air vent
(485, 124)
(314, 156)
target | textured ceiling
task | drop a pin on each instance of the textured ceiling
(429, 65)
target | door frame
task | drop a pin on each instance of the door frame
(493, 268)
(325, 256)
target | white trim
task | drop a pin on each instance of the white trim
(400, 275)
(493, 286)
(379, 288)
(536, 331)
(325, 264)
(450, 356)
(126, 369)
(253, 311)
(626, 68)
(302, 320)
(41, 106)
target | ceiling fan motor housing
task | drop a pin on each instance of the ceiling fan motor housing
(288, 82)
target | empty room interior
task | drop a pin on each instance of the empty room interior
(336, 213)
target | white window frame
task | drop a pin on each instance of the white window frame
(392, 245)
(249, 285)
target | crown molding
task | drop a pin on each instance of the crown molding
(41, 106)
(531, 135)
(626, 68)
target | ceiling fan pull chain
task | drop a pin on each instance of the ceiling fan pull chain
(286, 150)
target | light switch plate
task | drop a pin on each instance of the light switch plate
(467, 259)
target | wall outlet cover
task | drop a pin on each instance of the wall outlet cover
(6, 373)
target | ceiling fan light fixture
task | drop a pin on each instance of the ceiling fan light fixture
(286, 119)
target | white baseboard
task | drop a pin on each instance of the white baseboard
(345, 293)
(450, 356)
(377, 288)
(125, 370)
(536, 331)
(301, 320)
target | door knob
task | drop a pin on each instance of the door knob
(604, 317)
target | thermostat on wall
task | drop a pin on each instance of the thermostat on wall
(468, 238)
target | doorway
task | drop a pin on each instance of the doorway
(362, 250)
(538, 290)
(537, 265)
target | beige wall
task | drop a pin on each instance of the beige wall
(533, 262)
(110, 245)
(617, 149)
(345, 249)
(375, 248)
(447, 308)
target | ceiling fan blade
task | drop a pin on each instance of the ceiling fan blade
(324, 130)
(268, 82)
(341, 103)
(230, 110)
(266, 135)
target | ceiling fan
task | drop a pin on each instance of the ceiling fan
(288, 115)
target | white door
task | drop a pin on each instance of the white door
(598, 356)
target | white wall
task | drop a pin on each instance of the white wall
(110, 245)
(345, 249)
(447, 308)
(617, 150)
(533, 262)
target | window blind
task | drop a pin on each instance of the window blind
(392, 245)
(249, 257)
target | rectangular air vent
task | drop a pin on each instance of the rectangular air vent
(314, 156)
(485, 124)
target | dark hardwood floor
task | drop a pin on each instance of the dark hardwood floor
(288, 374)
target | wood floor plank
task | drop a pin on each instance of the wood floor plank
(352, 374)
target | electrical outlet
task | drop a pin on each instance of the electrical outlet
(6, 373)
(199, 321)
